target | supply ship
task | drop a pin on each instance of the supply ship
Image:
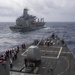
(49, 56)
(27, 23)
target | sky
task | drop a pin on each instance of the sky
(50, 10)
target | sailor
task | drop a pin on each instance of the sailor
(7, 53)
(25, 61)
(5, 56)
(10, 52)
(62, 41)
(12, 55)
(36, 41)
(17, 49)
(24, 45)
(53, 36)
(2, 56)
(2, 61)
(11, 65)
(15, 54)
(47, 43)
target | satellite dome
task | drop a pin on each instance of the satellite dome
(34, 53)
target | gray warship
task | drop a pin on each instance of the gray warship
(27, 23)
(50, 56)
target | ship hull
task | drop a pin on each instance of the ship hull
(17, 28)
(25, 29)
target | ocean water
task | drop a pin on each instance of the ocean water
(9, 39)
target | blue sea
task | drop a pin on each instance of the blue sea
(9, 39)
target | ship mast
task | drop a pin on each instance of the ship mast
(25, 12)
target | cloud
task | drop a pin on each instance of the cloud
(51, 10)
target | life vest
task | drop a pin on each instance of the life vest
(2, 61)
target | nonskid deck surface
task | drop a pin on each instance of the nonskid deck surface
(56, 59)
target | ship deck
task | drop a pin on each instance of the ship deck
(56, 59)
